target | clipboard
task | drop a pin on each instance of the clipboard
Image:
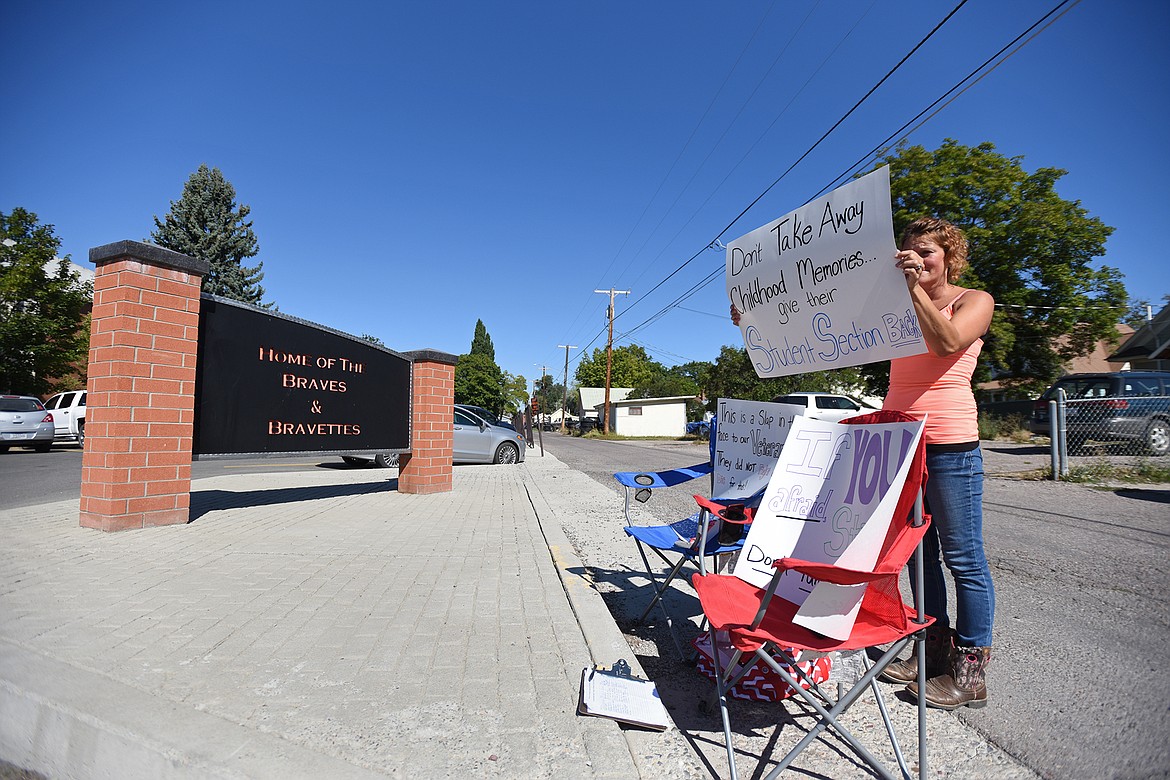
(616, 694)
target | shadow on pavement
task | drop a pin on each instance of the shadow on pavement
(204, 501)
(1156, 496)
(688, 695)
(1026, 449)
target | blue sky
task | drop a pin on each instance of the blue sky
(412, 167)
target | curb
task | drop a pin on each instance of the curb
(605, 641)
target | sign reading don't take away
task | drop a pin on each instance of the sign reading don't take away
(818, 288)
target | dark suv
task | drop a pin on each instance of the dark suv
(1126, 406)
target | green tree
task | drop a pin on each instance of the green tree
(515, 393)
(481, 342)
(479, 382)
(1135, 316)
(1030, 248)
(733, 376)
(665, 382)
(206, 223)
(554, 392)
(44, 323)
(632, 367)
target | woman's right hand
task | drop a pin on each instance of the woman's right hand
(734, 315)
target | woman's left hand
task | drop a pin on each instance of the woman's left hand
(911, 265)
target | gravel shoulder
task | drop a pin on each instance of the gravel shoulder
(590, 513)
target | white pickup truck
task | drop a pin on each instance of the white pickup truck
(68, 410)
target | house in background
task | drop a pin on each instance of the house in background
(1148, 349)
(594, 397)
(649, 416)
(994, 397)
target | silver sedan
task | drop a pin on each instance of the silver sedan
(475, 440)
(25, 423)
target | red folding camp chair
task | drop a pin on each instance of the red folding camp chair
(759, 624)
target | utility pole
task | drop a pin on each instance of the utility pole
(609, 352)
(565, 394)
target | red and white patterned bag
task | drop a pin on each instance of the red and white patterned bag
(761, 683)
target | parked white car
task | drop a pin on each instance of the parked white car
(825, 406)
(68, 410)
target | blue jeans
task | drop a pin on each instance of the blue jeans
(954, 498)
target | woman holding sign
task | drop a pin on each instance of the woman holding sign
(937, 385)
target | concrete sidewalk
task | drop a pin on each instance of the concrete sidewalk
(308, 625)
(321, 624)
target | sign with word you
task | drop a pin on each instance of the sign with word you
(818, 288)
(268, 383)
(830, 500)
(748, 438)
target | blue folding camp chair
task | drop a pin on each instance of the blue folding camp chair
(682, 541)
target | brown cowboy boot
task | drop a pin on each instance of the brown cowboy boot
(938, 656)
(965, 686)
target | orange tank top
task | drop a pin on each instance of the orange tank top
(938, 388)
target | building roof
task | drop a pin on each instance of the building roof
(672, 399)
(1149, 342)
(591, 397)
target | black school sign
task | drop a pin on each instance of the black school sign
(267, 384)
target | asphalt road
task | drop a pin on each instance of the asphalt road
(28, 477)
(1080, 676)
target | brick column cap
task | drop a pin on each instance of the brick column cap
(148, 253)
(432, 356)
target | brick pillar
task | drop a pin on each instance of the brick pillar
(427, 469)
(144, 336)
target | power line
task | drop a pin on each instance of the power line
(902, 133)
(682, 151)
(803, 156)
(716, 273)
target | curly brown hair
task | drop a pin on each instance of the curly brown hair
(946, 235)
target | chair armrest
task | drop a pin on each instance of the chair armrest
(662, 479)
(717, 505)
(828, 572)
(824, 572)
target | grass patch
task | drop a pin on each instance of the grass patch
(597, 434)
(1012, 427)
(1142, 473)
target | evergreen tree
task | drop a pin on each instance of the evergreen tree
(206, 223)
(44, 325)
(478, 380)
(481, 342)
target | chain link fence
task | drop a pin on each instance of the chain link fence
(1103, 415)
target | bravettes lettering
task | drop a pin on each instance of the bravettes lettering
(278, 428)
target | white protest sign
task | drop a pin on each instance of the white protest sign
(818, 289)
(830, 500)
(748, 438)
